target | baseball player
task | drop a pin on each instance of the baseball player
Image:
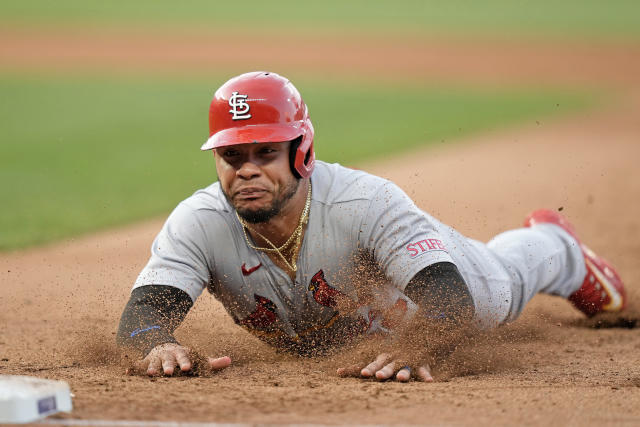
(309, 255)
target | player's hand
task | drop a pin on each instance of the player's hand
(387, 367)
(164, 359)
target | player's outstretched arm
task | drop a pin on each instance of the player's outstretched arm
(151, 315)
(442, 294)
(445, 303)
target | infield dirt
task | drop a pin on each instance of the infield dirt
(61, 303)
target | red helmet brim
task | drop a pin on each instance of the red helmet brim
(254, 134)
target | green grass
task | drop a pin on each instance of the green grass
(82, 154)
(612, 18)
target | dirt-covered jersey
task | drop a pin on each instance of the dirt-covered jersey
(364, 241)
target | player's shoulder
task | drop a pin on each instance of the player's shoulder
(334, 183)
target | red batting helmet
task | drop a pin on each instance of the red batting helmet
(262, 107)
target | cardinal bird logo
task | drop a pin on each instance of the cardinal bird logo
(322, 292)
(263, 315)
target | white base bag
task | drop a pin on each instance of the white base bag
(25, 399)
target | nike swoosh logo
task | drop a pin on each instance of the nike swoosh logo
(140, 330)
(616, 299)
(246, 272)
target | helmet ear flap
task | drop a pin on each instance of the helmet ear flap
(301, 156)
(293, 152)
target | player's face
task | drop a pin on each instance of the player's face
(256, 178)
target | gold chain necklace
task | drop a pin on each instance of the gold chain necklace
(295, 236)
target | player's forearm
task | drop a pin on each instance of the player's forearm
(442, 293)
(151, 315)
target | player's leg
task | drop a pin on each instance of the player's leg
(542, 259)
(547, 257)
(602, 288)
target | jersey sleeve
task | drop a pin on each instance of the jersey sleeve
(179, 254)
(401, 238)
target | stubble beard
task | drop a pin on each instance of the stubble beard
(257, 216)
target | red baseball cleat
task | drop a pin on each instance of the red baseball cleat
(602, 289)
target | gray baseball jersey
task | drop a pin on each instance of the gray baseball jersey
(364, 241)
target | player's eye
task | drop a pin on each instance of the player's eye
(230, 153)
(267, 150)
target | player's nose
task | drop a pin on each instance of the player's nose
(248, 169)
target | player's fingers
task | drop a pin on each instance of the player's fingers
(219, 363)
(168, 362)
(386, 372)
(424, 374)
(155, 365)
(374, 366)
(350, 371)
(404, 374)
(183, 360)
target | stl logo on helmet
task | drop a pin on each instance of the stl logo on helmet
(239, 106)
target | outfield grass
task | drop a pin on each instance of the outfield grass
(77, 155)
(549, 18)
